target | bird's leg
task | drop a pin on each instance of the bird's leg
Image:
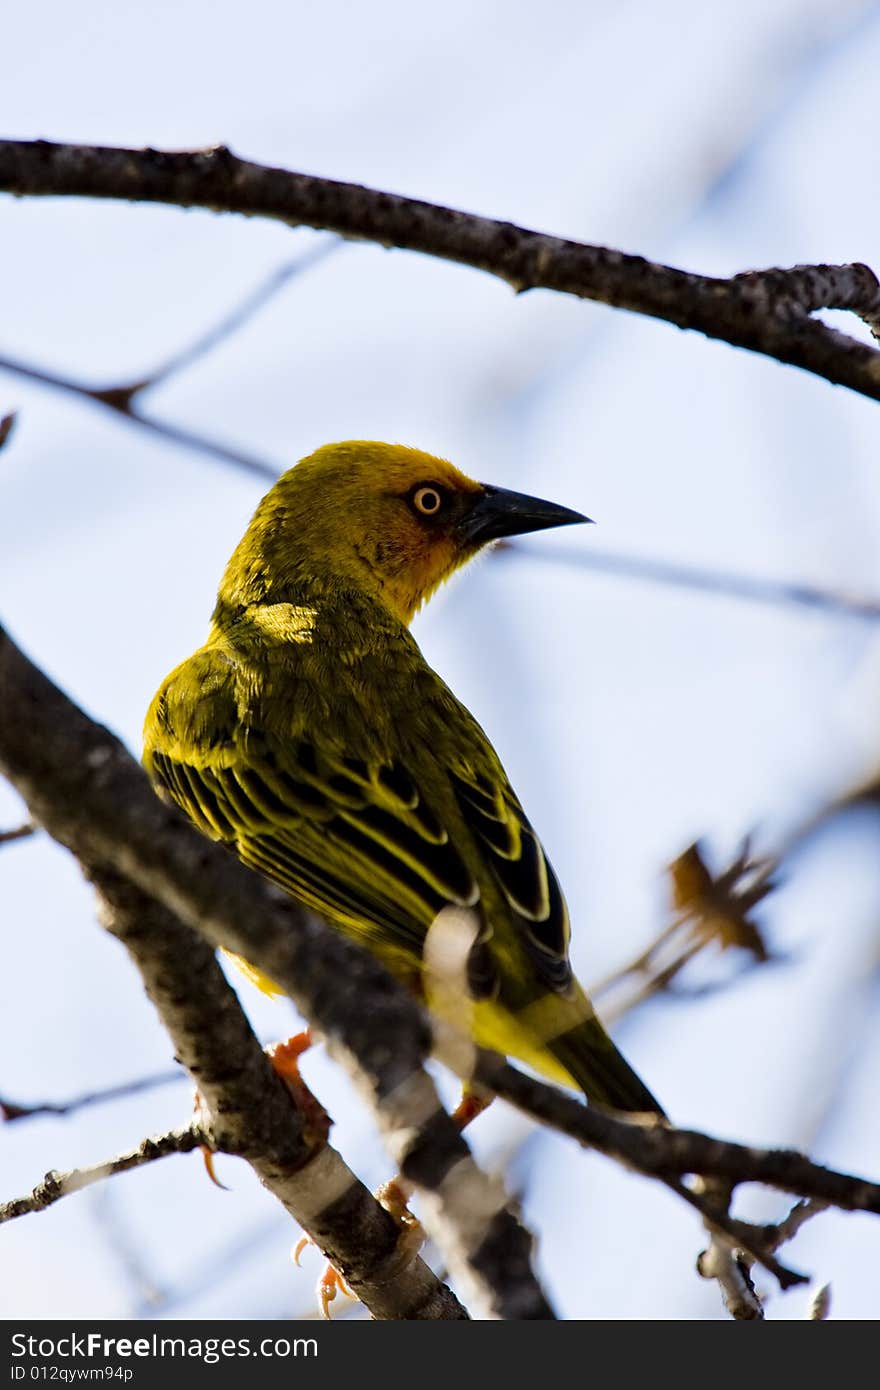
(472, 1104)
(284, 1061)
(394, 1196)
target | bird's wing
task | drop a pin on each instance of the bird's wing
(357, 841)
(360, 841)
(514, 855)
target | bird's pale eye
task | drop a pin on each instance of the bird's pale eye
(428, 500)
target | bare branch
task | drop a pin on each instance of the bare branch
(733, 1272)
(20, 832)
(11, 1110)
(711, 1198)
(800, 1214)
(119, 400)
(670, 1155)
(767, 312)
(56, 1185)
(249, 1111)
(122, 398)
(236, 318)
(732, 1266)
(7, 424)
(643, 569)
(662, 1152)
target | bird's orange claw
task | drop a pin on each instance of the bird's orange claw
(330, 1283)
(284, 1060)
(204, 1149)
(393, 1196)
(469, 1107)
(210, 1169)
(285, 1056)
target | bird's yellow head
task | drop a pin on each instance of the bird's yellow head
(392, 521)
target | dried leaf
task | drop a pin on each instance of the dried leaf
(6, 426)
(719, 908)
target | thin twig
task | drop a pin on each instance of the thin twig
(117, 400)
(643, 569)
(238, 316)
(654, 981)
(731, 1265)
(20, 832)
(732, 1270)
(660, 1151)
(246, 1109)
(12, 1110)
(671, 1154)
(122, 398)
(786, 1229)
(56, 1185)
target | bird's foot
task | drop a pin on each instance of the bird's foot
(284, 1061)
(330, 1283)
(208, 1154)
(472, 1104)
(393, 1196)
(210, 1168)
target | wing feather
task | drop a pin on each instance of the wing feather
(358, 843)
(522, 871)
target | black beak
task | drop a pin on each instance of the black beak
(498, 513)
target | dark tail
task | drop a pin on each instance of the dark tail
(603, 1074)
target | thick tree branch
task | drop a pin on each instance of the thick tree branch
(250, 1111)
(85, 789)
(672, 1153)
(245, 1109)
(767, 312)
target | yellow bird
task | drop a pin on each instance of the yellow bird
(310, 734)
